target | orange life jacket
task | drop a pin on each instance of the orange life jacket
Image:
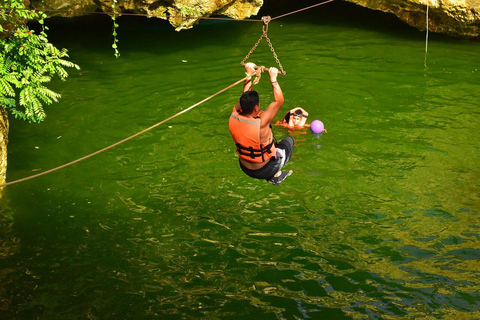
(251, 146)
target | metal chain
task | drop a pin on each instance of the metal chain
(265, 20)
(274, 54)
(253, 49)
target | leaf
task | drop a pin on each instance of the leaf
(6, 88)
(28, 61)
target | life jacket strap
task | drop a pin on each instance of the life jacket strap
(254, 153)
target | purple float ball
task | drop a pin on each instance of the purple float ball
(317, 126)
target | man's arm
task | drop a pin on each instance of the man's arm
(248, 84)
(272, 110)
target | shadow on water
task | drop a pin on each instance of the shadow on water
(96, 30)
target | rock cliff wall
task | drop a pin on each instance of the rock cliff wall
(452, 17)
(175, 11)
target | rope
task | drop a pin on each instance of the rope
(426, 37)
(124, 140)
(265, 20)
(127, 14)
(166, 16)
(296, 11)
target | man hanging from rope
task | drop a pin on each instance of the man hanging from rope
(260, 156)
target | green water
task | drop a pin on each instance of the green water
(380, 219)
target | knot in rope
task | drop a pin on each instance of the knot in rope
(258, 75)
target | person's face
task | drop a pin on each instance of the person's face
(296, 119)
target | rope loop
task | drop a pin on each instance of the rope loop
(265, 20)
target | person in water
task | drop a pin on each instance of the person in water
(294, 119)
(260, 156)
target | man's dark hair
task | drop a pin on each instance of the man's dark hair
(248, 101)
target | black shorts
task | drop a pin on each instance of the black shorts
(275, 164)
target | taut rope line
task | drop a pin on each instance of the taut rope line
(165, 16)
(296, 11)
(265, 21)
(426, 36)
(124, 140)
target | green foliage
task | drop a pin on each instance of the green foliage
(15, 12)
(115, 26)
(27, 62)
